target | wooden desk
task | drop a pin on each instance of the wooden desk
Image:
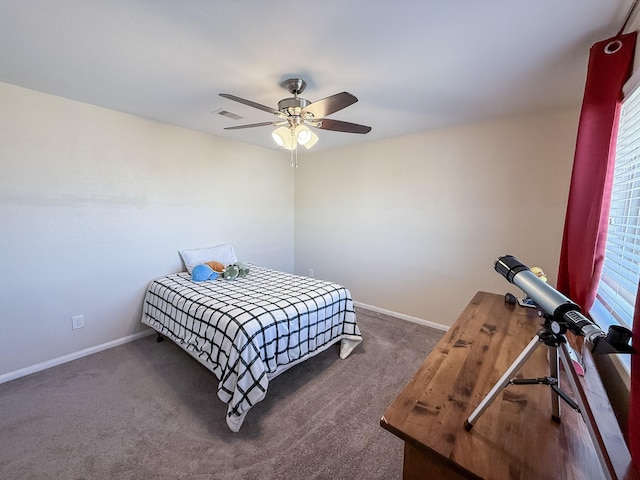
(515, 437)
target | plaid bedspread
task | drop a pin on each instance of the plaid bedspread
(249, 330)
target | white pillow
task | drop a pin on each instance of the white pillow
(195, 256)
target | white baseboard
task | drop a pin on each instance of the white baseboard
(6, 377)
(402, 316)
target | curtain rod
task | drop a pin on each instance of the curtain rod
(626, 20)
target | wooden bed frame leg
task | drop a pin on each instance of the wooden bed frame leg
(159, 338)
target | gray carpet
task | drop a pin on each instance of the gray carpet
(147, 410)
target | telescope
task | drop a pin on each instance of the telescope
(560, 313)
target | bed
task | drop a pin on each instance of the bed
(248, 331)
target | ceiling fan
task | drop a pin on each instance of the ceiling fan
(295, 114)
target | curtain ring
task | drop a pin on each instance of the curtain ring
(612, 47)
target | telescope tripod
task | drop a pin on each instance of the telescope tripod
(558, 351)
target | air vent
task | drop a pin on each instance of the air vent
(226, 113)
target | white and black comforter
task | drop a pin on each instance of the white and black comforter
(249, 330)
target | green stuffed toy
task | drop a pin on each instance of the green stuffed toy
(235, 270)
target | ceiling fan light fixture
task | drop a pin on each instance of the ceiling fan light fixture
(278, 137)
(306, 137)
(303, 134)
(282, 136)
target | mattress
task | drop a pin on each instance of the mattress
(247, 331)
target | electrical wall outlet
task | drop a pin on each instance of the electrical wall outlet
(77, 321)
(311, 272)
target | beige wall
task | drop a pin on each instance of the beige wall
(95, 203)
(413, 225)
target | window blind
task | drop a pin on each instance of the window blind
(621, 269)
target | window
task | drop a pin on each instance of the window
(616, 295)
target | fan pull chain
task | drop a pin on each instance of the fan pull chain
(294, 150)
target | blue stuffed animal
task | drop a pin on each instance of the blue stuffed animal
(201, 273)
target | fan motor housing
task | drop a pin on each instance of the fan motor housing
(292, 105)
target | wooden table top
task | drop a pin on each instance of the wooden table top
(515, 436)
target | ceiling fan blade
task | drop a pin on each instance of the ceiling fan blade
(340, 126)
(252, 104)
(329, 105)
(262, 124)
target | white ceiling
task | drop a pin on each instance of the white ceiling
(413, 64)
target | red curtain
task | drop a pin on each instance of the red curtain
(585, 229)
(583, 242)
